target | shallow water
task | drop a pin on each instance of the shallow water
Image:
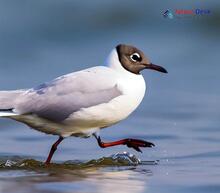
(83, 176)
(180, 113)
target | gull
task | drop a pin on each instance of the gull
(82, 103)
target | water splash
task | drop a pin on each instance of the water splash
(117, 159)
(126, 157)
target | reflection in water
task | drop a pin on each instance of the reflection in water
(86, 180)
(97, 180)
(120, 181)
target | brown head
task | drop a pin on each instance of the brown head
(134, 60)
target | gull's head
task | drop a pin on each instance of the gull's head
(129, 58)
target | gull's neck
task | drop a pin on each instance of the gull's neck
(130, 83)
(114, 63)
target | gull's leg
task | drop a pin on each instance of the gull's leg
(133, 143)
(53, 149)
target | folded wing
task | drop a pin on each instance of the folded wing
(58, 99)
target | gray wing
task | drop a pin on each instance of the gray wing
(57, 99)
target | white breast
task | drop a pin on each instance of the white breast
(107, 114)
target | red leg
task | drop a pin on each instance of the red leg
(53, 149)
(133, 143)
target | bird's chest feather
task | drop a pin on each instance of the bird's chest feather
(119, 108)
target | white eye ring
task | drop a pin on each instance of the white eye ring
(135, 57)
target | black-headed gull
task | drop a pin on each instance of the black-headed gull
(82, 103)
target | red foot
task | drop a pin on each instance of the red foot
(131, 143)
(136, 143)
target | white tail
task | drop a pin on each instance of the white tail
(7, 113)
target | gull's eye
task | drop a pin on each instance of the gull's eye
(135, 57)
